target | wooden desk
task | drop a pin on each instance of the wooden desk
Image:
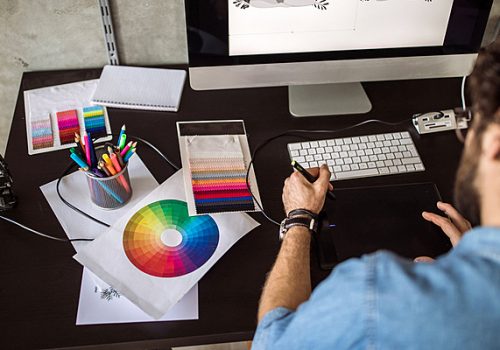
(40, 282)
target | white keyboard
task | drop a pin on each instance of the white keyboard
(360, 156)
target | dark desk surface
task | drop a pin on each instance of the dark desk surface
(40, 282)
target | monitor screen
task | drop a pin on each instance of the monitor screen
(229, 32)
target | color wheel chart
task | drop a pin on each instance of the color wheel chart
(162, 240)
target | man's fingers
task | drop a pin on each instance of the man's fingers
(324, 177)
(446, 225)
(460, 222)
(423, 259)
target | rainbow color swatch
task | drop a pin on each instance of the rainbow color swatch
(144, 239)
(41, 133)
(94, 119)
(67, 122)
(219, 185)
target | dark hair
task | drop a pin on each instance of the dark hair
(484, 87)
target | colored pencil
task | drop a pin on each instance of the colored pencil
(122, 131)
(128, 155)
(127, 147)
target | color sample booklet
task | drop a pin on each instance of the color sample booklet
(216, 156)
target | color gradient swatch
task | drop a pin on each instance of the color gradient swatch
(144, 237)
(41, 133)
(67, 122)
(219, 185)
(95, 122)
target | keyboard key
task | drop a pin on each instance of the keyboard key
(379, 163)
(372, 165)
(369, 152)
(320, 150)
(388, 136)
(330, 162)
(365, 159)
(314, 144)
(380, 137)
(388, 163)
(343, 154)
(318, 157)
(419, 167)
(356, 139)
(372, 138)
(406, 141)
(405, 135)
(335, 155)
(345, 148)
(328, 149)
(327, 156)
(397, 162)
(322, 143)
(306, 145)
(299, 159)
(309, 158)
(313, 164)
(339, 161)
(381, 157)
(363, 166)
(352, 153)
(337, 149)
(363, 139)
(396, 135)
(339, 142)
(348, 161)
(294, 146)
(379, 144)
(311, 151)
(384, 170)
(303, 152)
(413, 160)
(294, 153)
(354, 166)
(377, 150)
(393, 169)
(337, 168)
(357, 173)
(346, 167)
(330, 142)
(410, 167)
(347, 141)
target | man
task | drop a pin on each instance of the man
(382, 301)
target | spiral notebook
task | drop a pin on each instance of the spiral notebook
(140, 88)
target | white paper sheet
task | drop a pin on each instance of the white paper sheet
(99, 304)
(107, 258)
(92, 309)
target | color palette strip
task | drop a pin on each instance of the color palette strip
(94, 119)
(219, 185)
(41, 133)
(67, 122)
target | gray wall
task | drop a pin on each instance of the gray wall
(62, 34)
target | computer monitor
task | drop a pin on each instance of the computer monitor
(323, 49)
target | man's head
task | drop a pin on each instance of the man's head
(479, 169)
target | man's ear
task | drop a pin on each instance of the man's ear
(491, 143)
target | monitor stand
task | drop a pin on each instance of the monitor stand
(327, 99)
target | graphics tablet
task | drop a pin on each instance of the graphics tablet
(364, 220)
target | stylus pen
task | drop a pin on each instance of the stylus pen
(309, 177)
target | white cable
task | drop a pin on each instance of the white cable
(462, 94)
(31, 230)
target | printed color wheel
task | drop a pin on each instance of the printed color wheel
(162, 240)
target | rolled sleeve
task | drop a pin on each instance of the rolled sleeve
(271, 327)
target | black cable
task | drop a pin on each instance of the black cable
(300, 131)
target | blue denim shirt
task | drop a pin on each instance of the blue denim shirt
(382, 301)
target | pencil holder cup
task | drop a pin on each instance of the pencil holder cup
(110, 192)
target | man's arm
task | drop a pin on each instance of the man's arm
(289, 282)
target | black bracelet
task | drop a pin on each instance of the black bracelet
(302, 212)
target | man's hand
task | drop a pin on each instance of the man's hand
(454, 226)
(298, 193)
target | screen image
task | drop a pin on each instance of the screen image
(287, 26)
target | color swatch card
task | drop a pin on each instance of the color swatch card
(55, 113)
(217, 156)
(157, 252)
